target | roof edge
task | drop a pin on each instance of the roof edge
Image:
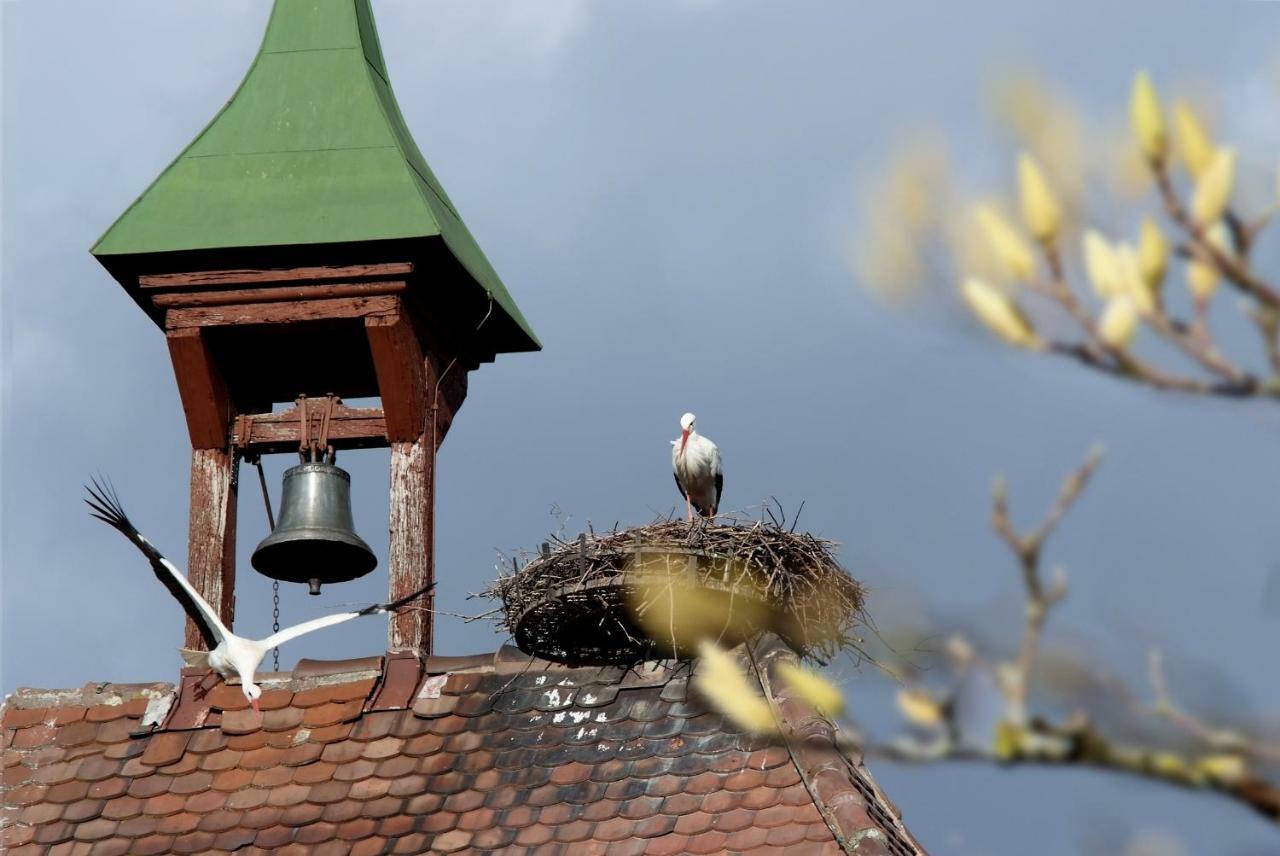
(854, 807)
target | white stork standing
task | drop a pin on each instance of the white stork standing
(695, 460)
(230, 654)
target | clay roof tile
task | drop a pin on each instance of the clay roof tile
(458, 754)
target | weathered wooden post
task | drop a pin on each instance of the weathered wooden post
(301, 246)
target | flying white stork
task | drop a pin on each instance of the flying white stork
(695, 460)
(230, 654)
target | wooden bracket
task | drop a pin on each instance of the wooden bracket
(200, 385)
(402, 371)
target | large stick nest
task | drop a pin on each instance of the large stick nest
(654, 591)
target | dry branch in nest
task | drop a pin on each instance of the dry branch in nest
(654, 591)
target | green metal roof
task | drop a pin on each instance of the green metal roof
(311, 149)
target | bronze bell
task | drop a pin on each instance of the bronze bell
(315, 540)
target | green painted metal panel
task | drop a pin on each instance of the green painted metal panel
(308, 25)
(280, 198)
(311, 149)
(308, 101)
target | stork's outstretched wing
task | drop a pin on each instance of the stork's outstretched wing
(106, 507)
(305, 627)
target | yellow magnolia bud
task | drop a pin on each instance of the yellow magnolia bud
(1213, 187)
(919, 707)
(1193, 140)
(1119, 322)
(1202, 276)
(813, 688)
(1100, 264)
(1202, 279)
(1219, 236)
(1007, 741)
(999, 314)
(1225, 768)
(676, 612)
(1148, 118)
(1006, 243)
(1039, 206)
(1170, 765)
(721, 680)
(1153, 254)
(1132, 283)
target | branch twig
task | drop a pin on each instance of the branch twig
(1222, 767)
(1040, 744)
(1027, 549)
(1235, 270)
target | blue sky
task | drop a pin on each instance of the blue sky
(669, 190)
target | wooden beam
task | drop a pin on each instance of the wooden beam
(200, 385)
(349, 428)
(403, 375)
(411, 548)
(211, 536)
(282, 313)
(285, 275)
(183, 299)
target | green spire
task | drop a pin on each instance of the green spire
(311, 149)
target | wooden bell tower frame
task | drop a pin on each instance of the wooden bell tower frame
(421, 385)
(301, 246)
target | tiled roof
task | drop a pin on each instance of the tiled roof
(492, 753)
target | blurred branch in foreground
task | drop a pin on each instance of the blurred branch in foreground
(1212, 758)
(1017, 278)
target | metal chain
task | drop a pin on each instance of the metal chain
(275, 622)
(275, 584)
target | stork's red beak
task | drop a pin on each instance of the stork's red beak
(257, 708)
(684, 438)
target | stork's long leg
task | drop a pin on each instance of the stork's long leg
(689, 507)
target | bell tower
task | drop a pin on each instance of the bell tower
(301, 250)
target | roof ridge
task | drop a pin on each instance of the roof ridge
(308, 671)
(89, 695)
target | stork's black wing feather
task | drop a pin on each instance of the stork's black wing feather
(719, 488)
(106, 507)
(680, 487)
(392, 606)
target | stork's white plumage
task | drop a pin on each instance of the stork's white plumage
(230, 654)
(695, 460)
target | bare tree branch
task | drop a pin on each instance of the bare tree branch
(1222, 766)
(1027, 548)
(1039, 744)
(1235, 270)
